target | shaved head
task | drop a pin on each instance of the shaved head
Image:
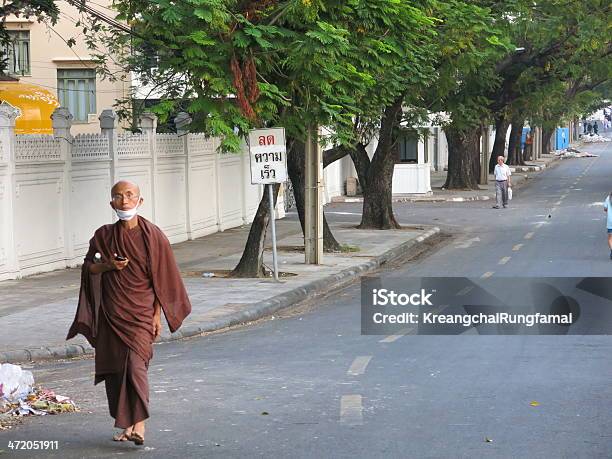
(123, 185)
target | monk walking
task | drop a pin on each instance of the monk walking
(128, 277)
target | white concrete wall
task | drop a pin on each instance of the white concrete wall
(55, 190)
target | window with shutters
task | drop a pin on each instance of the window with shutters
(17, 52)
(76, 90)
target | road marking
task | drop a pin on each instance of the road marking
(529, 235)
(558, 203)
(359, 365)
(402, 332)
(390, 338)
(351, 410)
(487, 274)
(465, 290)
(504, 260)
(538, 224)
(517, 247)
(467, 243)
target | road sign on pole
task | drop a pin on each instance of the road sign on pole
(268, 159)
(268, 156)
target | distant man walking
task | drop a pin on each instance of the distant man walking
(609, 225)
(502, 182)
(128, 277)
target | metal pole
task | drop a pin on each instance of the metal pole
(273, 223)
(313, 205)
(484, 156)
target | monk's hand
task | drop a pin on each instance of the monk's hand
(157, 327)
(118, 265)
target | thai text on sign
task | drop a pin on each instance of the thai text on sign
(268, 156)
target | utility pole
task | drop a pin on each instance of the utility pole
(313, 202)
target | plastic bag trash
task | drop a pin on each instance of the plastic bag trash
(509, 194)
(24, 409)
(16, 383)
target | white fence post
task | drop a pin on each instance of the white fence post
(148, 125)
(217, 157)
(62, 121)
(182, 122)
(108, 127)
(9, 266)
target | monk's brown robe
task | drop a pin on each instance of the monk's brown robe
(115, 312)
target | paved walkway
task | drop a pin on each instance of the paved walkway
(36, 312)
(520, 175)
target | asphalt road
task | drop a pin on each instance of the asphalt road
(308, 384)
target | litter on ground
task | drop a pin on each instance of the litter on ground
(593, 138)
(19, 397)
(573, 153)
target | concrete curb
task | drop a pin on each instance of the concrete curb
(253, 312)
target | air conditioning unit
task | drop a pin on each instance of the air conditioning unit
(92, 118)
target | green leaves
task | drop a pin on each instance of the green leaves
(201, 13)
(201, 38)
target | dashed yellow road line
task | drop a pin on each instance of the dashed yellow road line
(358, 367)
(504, 260)
(465, 290)
(351, 410)
(517, 247)
(529, 235)
(392, 338)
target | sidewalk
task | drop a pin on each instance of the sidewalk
(520, 175)
(36, 312)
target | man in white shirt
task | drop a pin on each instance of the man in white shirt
(502, 182)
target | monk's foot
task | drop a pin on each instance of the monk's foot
(137, 438)
(123, 436)
(138, 431)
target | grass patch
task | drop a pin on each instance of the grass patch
(346, 248)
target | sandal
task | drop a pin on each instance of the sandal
(136, 438)
(122, 436)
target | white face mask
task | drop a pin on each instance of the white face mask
(128, 214)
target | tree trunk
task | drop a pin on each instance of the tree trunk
(476, 164)
(546, 140)
(251, 262)
(463, 150)
(295, 167)
(515, 157)
(378, 197)
(376, 176)
(499, 146)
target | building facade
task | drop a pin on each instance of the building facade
(39, 54)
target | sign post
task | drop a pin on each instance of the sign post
(268, 159)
